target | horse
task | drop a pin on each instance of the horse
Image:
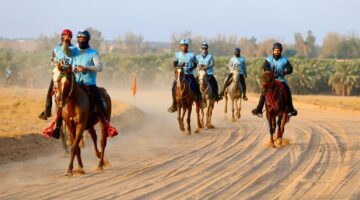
(234, 90)
(275, 105)
(185, 97)
(78, 114)
(208, 97)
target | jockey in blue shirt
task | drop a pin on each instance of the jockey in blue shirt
(206, 62)
(62, 55)
(282, 67)
(236, 63)
(187, 61)
(87, 64)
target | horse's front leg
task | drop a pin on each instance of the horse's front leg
(281, 128)
(103, 145)
(226, 102)
(202, 125)
(239, 109)
(198, 124)
(233, 110)
(93, 135)
(272, 131)
(188, 120)
(75, 150)
(180, 118)
(209, 114)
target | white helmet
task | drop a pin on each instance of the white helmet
(184, 42)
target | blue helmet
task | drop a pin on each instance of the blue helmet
(84, 34)
(204, 45)
(184, 42)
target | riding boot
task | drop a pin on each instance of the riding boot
(57, 129)
(47, 112)
(173, 107)
(243, 85)
(258, 110)
(292, 110)
(227, 82)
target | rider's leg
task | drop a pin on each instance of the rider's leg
(96, 96)
(292, 110)
(173, 106)
(47, 112)
(259, 107)
(227, 82)
(57, 128)
(243, 85)
(214, 86)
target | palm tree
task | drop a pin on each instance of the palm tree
(345, 79)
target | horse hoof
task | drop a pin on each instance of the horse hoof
(197, 131)
(80, 171)
(99, 169)
(210, 126)
(234, 120)
(68, 173)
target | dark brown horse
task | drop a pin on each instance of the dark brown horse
(185, 97)
(275, 105)
(78, 112)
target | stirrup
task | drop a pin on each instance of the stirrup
(245, 98)
(112, 131)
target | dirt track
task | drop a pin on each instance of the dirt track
(155, 161)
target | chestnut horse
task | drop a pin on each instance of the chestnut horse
(185, 97)
(275, 105)
(234, 90)
(78, 113)
(209, 98)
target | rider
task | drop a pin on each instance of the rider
(282, 67)
(206, 62)
(236, 63)
(87, 64)
(63, 52)
(187, 60)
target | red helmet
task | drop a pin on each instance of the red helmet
(66, 32)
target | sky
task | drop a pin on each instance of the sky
(156, 20)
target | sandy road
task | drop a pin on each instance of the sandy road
(156, 161)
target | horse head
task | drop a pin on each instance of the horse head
(203, 80)
(268, 79)
(63, 79)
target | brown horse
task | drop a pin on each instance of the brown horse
(275, 105)
(78, 113)
(209, 97)
(184, 99)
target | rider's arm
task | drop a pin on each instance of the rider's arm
(98, 66)
(289, 68)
